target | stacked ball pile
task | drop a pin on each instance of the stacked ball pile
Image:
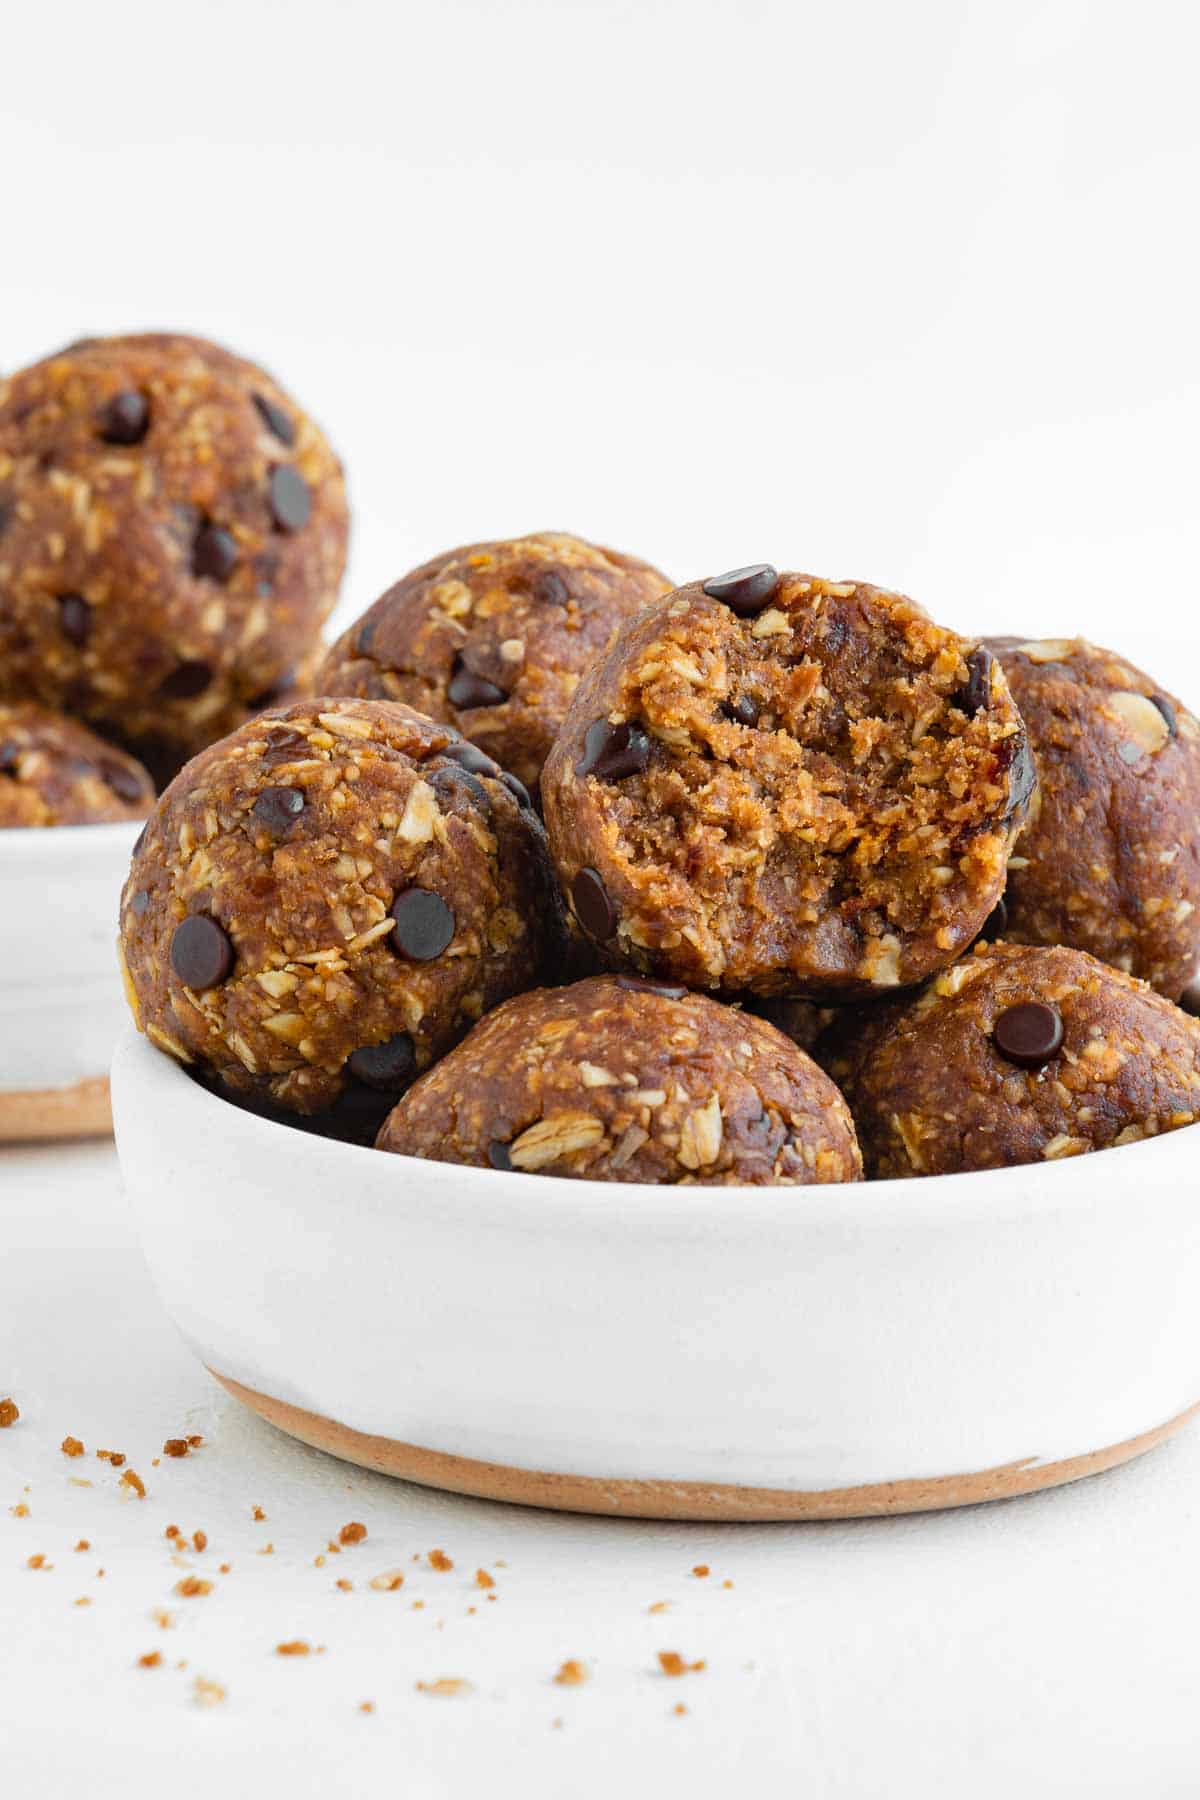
(765, 879)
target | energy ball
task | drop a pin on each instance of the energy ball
(172, 533)
(1109, 861)
(618, 1079)
(785, 786)
(328, 899)
(54, 771)
(1021, 1054)
(493, 638)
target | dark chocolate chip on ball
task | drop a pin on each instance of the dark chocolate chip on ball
(139, 902)
(279, 423)
(126, 418)
(467, 690)
(593, 908)
(497, 1154)
(744, 591)
(610, 752)
(74, 619)
(291, 501)
(201, 953)
(186, 682)
(214, 553)
(1028, 1034)
(424, 924)
(384, 1067)
(122, 781)
(742, 711)
(471, 758)
(278, 808)
(639, 984)
(1022, 777)
(516, 788)
(977, 691)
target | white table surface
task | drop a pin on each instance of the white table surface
(1047, 1643)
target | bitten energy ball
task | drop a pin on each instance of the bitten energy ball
(786, 786)
(494, 638)
(616, 1079)
(172, 533)
(54, 771)
(1110, 859)
(1019, 1054)
(328, 899)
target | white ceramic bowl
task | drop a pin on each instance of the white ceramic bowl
(677, 1352)
(61, 1004)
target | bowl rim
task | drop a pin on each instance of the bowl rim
(511, 1196)
(30, 841)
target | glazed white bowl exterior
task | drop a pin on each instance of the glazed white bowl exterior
(796, 1338)
(61, 1004)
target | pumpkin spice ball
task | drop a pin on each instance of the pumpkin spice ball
(494, 638)
(617, 1079)
(1021, 1054)
(326, 900)
(54, 771)
(172, 533)
(1109, 861)
(786, 786)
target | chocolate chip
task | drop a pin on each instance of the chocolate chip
(278, 422)
(214, 553)
(638, 984)
(549, 587)
(742, 711)
(467, 689)
(185, 682)
(453, 785)
(201, 953)
(122, 780)
(498, 1156)
(1168, 712)
(517, 789)
(278, 808)
(744, 591)
(1028, 1034)
(593, 908)
(1189, 1000)
(384, 1067)
(74, 619)
(610, 752)
(1022, 777)
(139, 902)
(471, 758)
(291, 501)
(10, 756)
(424, 924)
(126, 418)
(996, 923)
(364, 642)
(977, 692)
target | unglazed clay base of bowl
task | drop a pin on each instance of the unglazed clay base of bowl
(61, 1004)
(684, 1353)
(81, 1111)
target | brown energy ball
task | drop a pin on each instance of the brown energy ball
(616, 1079)
(172, 533)
(1021, 1054)
(494, 638)
(787, 786)
(328, 899)
(54, 771)
(1109, 861)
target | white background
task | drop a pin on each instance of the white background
(907, 293)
